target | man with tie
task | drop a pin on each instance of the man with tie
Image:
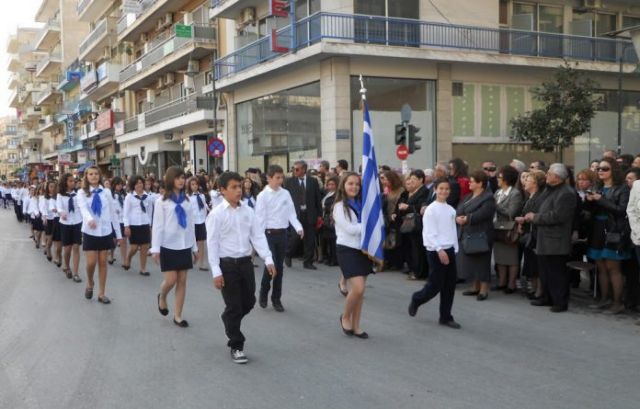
(305, 192)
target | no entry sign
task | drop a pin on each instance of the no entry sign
(402, 152)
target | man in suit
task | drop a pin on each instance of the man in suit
(305, 192)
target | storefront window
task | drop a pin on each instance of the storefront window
(385, 97)
(285, 124)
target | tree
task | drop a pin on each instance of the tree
(567, 107)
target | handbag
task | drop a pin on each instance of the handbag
(475, 243)
(506, 231)
(391, 239)
(612, 240)
(409, 223)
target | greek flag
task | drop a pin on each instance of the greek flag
(372, 220)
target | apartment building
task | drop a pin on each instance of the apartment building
(165, 83)
(288, 73)
(9, 148)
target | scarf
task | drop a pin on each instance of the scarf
(72, 207)
(180, 213)
(121, 198)
(142, 199)
(356, 206)
(200, 202)
(96, 202)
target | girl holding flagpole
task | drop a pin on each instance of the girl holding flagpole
(70, 225)
(99, 221)
(355, 265)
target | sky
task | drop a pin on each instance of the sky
(20, 13)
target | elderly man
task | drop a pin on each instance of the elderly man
(519, 165)
(554, 222)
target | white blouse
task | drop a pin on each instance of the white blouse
(132, 210)
(348, 231)
(166, 232)
(107, 222)
(62, 204)
(199, 215)
(439, 227)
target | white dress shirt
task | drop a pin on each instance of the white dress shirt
(43, 206)
(62, 204)
(439, 227)
(199, 215)
(232, 233)
(49, 209)
(33, 206)
(216, 198)
(119, 208)
(275, 209)
(107, 222)
(348, 232)
(166, 232)
(133, 214)
(25, 204)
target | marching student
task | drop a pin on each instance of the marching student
(173, 241)
(33, 212)
(26, 195)
(275, 210)
(215, 195)
(355, 265)
(119, 193)
(70, 225)
(232, 230)
(200, 209)
(440, 237)
(137, 223)
(51, 222)
(16, 194)
(99, 220)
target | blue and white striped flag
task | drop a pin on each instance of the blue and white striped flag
(372, 219)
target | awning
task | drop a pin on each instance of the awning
(86, 165)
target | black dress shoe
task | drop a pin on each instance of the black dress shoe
(461, 281)
(263, 301)
(413, 309)
(362, 335)
(287, 261)
(88, 293)
(347, 332)
(559, 308)
(509, 290)
(181, 324)
(343, 291)
(482, 297)
(541, 302)
(451, 324)
(470, 292)
(163, 311)
(309, 266)
(277, 305)
(104, 300)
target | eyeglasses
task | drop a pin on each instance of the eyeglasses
(604, 169)
(489, 169)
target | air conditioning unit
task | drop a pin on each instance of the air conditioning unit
(106, 52)
(144, 37)
(160, 83)
(189, 84)
(247, 16)
(169, 78)
(167, 20)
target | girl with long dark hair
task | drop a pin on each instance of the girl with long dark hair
(118, 194)
(70, 225)
(51, 220)
(137, 222)
(199, 209)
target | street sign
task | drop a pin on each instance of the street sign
(216, 148)
(402, 152)
(183, 30)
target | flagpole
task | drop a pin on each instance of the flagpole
(363, 90)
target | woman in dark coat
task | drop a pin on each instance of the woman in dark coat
(475, 215)
(411, 202)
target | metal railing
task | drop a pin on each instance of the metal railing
(82, 5)
(176, 108)
(415, 33)
(53, 57)
(101, 29)
(131, 124)
(168, 46)
(123, 23)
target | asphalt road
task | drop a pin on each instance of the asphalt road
(58, 350)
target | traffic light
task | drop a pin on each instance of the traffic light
(412, 138)
(401, 134)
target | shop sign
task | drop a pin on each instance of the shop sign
(184, 31)
(104, 121)
(278, 8)
(64, 158)
(274, 43)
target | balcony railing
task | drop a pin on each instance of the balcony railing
(53, 57)
(176, 108)
(127, 19)
(415, 33)
(82, 4)
(101, 29)
(168, 46)
(131, 124)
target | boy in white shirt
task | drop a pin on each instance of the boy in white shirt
(233, 231)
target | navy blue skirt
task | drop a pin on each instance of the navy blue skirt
(175, 260)
(70, 234)
(97, 243)
(353, 262)
(140, 235)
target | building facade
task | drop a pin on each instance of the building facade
(289, 74)
(9, 148)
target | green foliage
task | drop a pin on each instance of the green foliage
(567, 107)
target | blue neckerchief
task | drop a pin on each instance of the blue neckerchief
(356, 206)
(96, 203)
(200, 202)
(180, 213)
(142, 199)
(249, 200)
(72, 207)
(121, 198)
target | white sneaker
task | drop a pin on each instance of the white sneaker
(238, 356)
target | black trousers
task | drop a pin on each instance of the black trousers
(554, 278)
(309, 241)
(18, 210)
(278, 246)
(442, 280)
(419, 262)
(239, 297)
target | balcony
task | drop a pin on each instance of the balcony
(48, 123)
(168, 55)
(49, 36)
(14, 63)
(348, 28)
(14, 99)
(99, 84)
(104, 35)
(231, 8)
(130, 26)
(102, 125)
(49, 64)
(33, 136)
(180, 113)
(68, 146)
(49, 95)
(90, 10)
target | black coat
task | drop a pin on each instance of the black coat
(415, 202)
(614, 204)
(554, 220)
(479, 212)
(311, 197)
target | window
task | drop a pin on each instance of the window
(537, 17)
(381, 31)
(628, 21)
(551, 19)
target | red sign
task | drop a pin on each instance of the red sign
(274, 43)
(104, 121)
(216, 147)
(278, 8)
(402, 152)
